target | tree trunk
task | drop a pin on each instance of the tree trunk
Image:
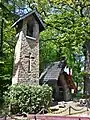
(1, 38)
(87, 68)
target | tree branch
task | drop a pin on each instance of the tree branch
(52, 26)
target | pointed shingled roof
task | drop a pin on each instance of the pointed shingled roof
(36, 16)
(53, 72)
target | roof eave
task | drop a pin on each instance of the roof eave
(25, 16)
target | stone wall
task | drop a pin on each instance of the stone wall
(26, 45)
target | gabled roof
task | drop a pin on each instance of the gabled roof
(54, 71)
(36, 16)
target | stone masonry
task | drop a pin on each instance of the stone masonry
(26, 70)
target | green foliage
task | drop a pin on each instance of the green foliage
(28, 98)
(67, 32)
(7, 56)
(6, 48)
(47, 52)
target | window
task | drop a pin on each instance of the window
(32, 29)
(29, 30)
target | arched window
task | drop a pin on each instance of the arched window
(30, 26)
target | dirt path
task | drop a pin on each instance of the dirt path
(71, 109)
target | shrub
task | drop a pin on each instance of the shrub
(28, 98)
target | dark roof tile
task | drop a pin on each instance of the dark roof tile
(35, 14)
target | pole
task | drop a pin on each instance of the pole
(35, 117)
(69, 110)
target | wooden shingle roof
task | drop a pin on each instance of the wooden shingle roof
(53, 72)
(36, 16)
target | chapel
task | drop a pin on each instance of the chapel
(61, 81)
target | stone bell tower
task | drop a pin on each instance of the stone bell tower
(26, 59)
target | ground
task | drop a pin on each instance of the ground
(63, 109)
(75, 110)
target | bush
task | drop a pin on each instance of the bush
(28, 98)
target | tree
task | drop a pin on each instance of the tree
(67, 29)
(6, 48)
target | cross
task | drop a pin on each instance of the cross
(30, 61)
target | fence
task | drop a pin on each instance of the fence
(70, 108)
(54, 116)
(58, 117)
